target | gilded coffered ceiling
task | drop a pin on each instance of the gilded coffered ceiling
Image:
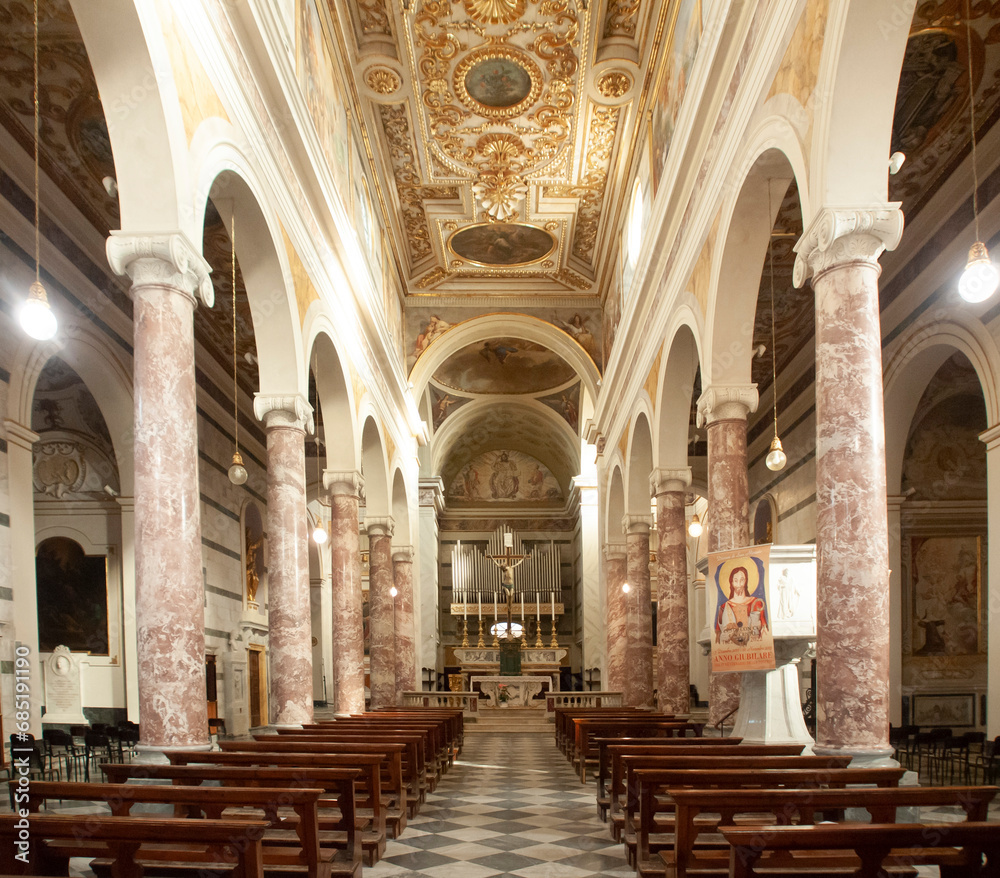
(504, 130)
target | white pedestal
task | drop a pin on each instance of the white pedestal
(770, 704)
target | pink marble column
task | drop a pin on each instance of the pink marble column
(639, 629)
(289, 636)
(345, 592)
(614, 577)
(841, 250)
(725, 410)
(673, 670)
(169, 589)
(406, 647)
(382, 653)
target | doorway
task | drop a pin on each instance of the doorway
(257, 669)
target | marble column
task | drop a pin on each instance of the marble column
(426, 610)
(991, 437)
(166, 273)
(614, 578)
(639, 630)
(381, 620)
(286, 419)
(725, 410)
(894, 506)
(673, 652)
(588, 608)
(406, 652)
(345, 592)
(841, 249)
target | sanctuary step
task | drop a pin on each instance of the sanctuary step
(511, 720)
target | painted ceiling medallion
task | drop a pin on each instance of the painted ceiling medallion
(495, 11)
(500, 194)
(502, 244)
(382, 80)
(497, 82)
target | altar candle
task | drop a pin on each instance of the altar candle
(479, 597)
(495, 617)
(522, 609)
(553, 605)
(538, 605)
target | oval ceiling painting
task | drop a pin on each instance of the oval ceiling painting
(506, 244)
(497, 81)
(504, 365)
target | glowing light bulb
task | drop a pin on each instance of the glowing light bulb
(694, 526)
(393, 591)
(237, 472)
(36, 314)
(319, 535)
(980, 279)
(776, 456)
(626, 588)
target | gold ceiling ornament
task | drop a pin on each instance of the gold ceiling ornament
(497, 82)
(621, 18)
(614, 83)
(551, 225)
(501, 150)
(396, 126)
(432, 277)
(382, 80)
(500, 194)
(495, 11)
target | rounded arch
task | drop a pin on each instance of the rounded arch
(863, 47)
(375, 468)
(128, 55)
(402, 532)
(765, 174)
(615, 505)
(336, 398)
(640, 462)
(230, 181)
(108, 379)
(676, 383)
(511, 325)
(916, 358)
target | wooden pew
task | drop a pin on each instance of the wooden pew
(958, 848)
(649, 809)
(369, 812)
(563, 721)
(699, 849)
(587, 730)
(338, 820)
(455, 719)
(207, 847)
(305, 855)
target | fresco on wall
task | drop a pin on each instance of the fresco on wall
(425, 325)
(444, 403)
(488, 525)
(566, 403)
(506, 477)
(611, 319)
(945, 597)
(504, 365)
(72, 590)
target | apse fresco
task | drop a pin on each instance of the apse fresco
(504, 365)
(566, 403)
(505, 476)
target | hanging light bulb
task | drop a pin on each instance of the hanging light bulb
(775, 459)
(319, 535)
(980, 279)
(393, 591)
(36, 315)
(626, 588)
(237, 472)
(694, 526)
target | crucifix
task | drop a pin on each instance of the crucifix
(507, 561)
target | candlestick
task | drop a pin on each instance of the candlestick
(481, 644)
(555, 643)
(465, 633)
(538, 634)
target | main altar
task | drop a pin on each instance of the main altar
(485, 662)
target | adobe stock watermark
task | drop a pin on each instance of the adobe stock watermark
(22, 750)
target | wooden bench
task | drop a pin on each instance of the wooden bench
(208, 847)
(649, 807)
(454, 719)
(587, 731)
(957, 848)
(699, 849)
(563, 721)
(369, 812)
(304, 854)
(338, 818)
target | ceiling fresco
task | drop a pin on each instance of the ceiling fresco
(506, 477)
(504, 366)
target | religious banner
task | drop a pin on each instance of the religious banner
(742, 639)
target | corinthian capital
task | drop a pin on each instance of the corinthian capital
(349, 483)
(167, 259)
(637, 524)
(379, 526)
(284, 411)
(846, 234)
(662, 480)
(720, 403)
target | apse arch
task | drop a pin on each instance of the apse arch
(230, 181)
(676, 383)
(765, 175)
(128, 55)
(490, 326)
(914, 361)
(336, 397)
(640, 461)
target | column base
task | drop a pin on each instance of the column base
(150, 754)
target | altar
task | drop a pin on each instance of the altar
(519, 691)
(544, 663)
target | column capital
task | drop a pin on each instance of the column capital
(402, 554)
(431, 493)
(379, 526)
(340, 483)
(18, 434)
(990, 437)
(720, 402)
(292, 410)
(664, 479)
(637, 524)
(839, 235)
(163, 258)
(614, 552)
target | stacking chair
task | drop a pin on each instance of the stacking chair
(987, 762)
(98, 749)
(21, 745)
(128, 738)
(59, 744)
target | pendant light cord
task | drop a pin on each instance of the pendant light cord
(972, 118)
(236, 403)
(37, 127)
(774, 351)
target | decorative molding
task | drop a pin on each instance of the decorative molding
(720, 403)
(339, 483)
(382, 80)
(402, 554)
(166, 259)
(663, 480)
(614, 84)
(989, 436)
(637, 524)
(614, 552)
(841, 235)
(379, 525)
(19, 435)
(284, 411)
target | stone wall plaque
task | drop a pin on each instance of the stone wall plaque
(63, 695)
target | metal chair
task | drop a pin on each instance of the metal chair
(98, 747)
(59, 744)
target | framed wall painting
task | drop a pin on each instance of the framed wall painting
(72, 594)
(946, 595)
(944, 710)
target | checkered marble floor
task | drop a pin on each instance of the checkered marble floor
(511, 805)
